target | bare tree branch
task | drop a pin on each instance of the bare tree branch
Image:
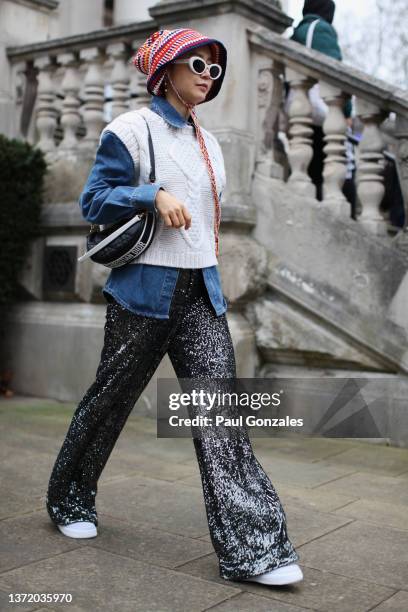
(379, 43)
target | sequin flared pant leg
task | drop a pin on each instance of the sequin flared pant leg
(246, 520)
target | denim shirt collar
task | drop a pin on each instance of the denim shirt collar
(166, 110)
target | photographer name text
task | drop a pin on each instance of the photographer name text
(250, 421)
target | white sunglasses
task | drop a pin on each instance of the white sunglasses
(198, 66)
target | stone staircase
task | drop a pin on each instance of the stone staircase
(335, 294)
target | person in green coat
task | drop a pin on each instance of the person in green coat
(325, 40)
(325, 36)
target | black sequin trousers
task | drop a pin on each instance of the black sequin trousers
(246, 520)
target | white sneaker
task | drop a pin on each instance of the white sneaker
(81, 529)
(281, 575)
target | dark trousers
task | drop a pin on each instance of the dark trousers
(350, 193)
(246, 520)
(315, 169)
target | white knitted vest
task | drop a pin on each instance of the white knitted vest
(182, 171)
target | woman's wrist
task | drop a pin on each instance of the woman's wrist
(156, 198)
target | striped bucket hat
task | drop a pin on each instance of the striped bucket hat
(164, 46)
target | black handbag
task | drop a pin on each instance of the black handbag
(121, 242)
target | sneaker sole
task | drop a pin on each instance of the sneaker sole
(77, 534)
(278, 580)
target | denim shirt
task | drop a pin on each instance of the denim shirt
(109, 195)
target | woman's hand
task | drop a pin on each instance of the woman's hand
(174, 212)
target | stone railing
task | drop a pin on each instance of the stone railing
(83, 81)
(375, 101)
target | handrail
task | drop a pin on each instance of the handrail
(338, 74)
(77, 42)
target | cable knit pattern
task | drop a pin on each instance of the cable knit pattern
(182, 171)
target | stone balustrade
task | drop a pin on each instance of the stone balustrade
(75, 73)
(74, 76)
(375, 100)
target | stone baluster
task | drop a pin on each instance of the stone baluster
(335, 164)
(119, 78)
(138, 80)
(93, 114)
(46, 113)
(143, 97)
(70, 85)
(370, 178)
(270, 92)
(300, 132)
(140, 95)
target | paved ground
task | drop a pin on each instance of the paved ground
(346, 504)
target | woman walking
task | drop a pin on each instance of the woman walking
(170, 300)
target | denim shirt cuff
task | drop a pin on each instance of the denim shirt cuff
(145, 195)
